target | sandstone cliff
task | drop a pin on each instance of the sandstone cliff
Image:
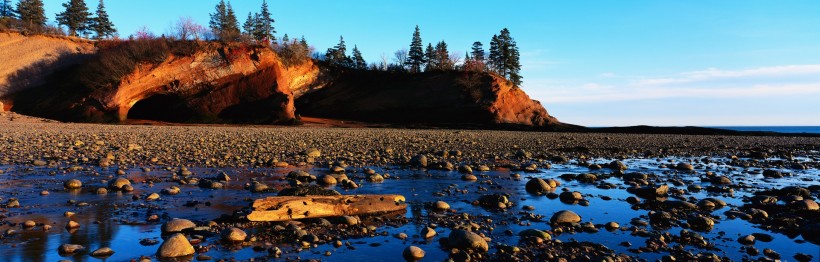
(237, 83)
(27, 60)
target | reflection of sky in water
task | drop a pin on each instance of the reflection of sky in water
(418, 187)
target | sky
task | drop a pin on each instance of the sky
(593, 63)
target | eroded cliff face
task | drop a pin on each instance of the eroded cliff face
(425, 98)
(236, 83)
(28, 60)
(232, 84)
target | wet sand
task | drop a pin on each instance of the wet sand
(37, 157)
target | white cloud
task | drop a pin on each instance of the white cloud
(777, 81)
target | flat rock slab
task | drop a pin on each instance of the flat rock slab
(285, 208)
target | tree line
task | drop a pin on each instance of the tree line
(29, 15)
(503, 57)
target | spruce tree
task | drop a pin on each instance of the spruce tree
(430, 58)
(494, 59)
(478, 52)
(231, 27)
(337, 55)
(250, 25)
(415, 57)
(7, 10)
(265, 24)
(218, 18)
(443, 56)
(101, 25)
(358, 60)
(75, 17)
(32, 14)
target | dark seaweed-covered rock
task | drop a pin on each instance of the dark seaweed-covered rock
(308, 190)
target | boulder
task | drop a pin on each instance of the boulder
(176, 245)
(177, 225)
(462, 239)
(565, 217)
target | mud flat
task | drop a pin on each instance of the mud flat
(477, 195)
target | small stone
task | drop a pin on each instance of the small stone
(612, 225)
(68, 249)
(465, 169)
(73, 184)
(328, 180)
(535, 233)
(176, 245)
(173, 190)
(44, 193)
(537, 186)
(152, 197)
(102, 252)
(72, 224)
(177, 225)
(102, 191)
(469, 177)
(350, 220)
(117, 183)
(747, 240)
(413, 253)
(376, 178)
(441, 205)
(565, 217)
(428, 232)
(467, 240)
(234, 235)
(29, 224)
(312, 152)
(805, 204)
(401, 236)
(701, 223)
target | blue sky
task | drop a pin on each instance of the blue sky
(596, 63)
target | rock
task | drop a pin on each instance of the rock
(538, 186)
(570, 197)
(172, 190)
(469, 177)
(565, 217)
(29, 224)
(684, 167)
(772, 173)
(462, 239)
(428, 232)
(805, 204)
(234, 235)
(328, 180)
(441, 205)
(535, 233)
(73, 184)
(258, 187)
(650, 191)
(152, 197)
(701, 223)
(176, 245)
(349, 220)
(494, 201)
(72, 224)
(102, 191)
(419, 161)
(222, 176)
(612, 225)
(763, 200)
(721, 180)
(412, 253)
(39, 163)
(312, 152)
(747, 240)
(68, 249)
(177, 225)
(375, 178)
(102, 252)
(586, 178)
(483, 168)
(465, 169)
(118, 183)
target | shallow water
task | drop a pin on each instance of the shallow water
(115, 221)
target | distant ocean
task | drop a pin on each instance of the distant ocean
(778, 129)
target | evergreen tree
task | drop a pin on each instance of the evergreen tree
(265, 24)
(358, 60)
(101, 25)
(493, 59)
(443, 57)
(304, 43)
(337, 55)
(430, 57)
(478, 52)
(505, 57)
(224, 23)
(75, 17)
(250, 25)
(7, 10)
(32, 14)
(415, 57)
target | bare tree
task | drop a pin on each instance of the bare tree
(400, 56)
(455, 58)
(186, 28)
(385, 61)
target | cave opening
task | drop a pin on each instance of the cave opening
(162, 107)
